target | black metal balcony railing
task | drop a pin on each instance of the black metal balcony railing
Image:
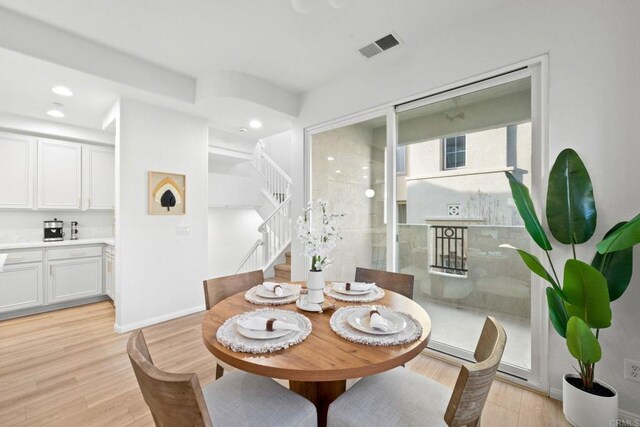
(450, 249)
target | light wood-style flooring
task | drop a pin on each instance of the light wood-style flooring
(68, 368)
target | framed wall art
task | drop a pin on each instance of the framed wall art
(167, 193)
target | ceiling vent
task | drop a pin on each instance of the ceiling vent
(379, 46)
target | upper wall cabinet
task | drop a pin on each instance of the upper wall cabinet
(98, 170)
(17, 160)
(59, 175)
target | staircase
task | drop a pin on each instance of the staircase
(283, 271)
(276, 228)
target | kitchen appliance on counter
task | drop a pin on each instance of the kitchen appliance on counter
(74, 230)
(53, 230)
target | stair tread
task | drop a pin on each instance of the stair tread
(286, 267)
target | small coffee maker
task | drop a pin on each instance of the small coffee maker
(74, 230)
(53, 230)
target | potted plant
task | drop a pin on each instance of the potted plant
(318, 243)
(580, 303)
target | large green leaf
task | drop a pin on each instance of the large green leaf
(625, 237)
(523, 202)
(557, 312)
(587, 295)
(571, 208)
(617, 267)
(582, 344)
(536, 266)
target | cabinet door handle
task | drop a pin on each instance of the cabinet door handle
(51, 270)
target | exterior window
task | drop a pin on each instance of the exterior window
(401, 160)
(455, 152)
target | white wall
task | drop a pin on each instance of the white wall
(594, 63)
(159, 272)
(232, 232)
(278, 147)
(233, 183)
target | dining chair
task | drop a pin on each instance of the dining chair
(238, 399)
(403, 398)
(215, 290)
(396, 282)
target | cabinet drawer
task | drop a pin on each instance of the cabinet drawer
(23, 256)
(20, 287)
(74, 279)
(75, 252)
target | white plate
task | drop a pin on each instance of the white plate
(341, 288)
(268, 335)
(359, 319)
(307, 306)
(261, 291)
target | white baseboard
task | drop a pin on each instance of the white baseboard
(555, 393)
(158, 319)
(629, 417)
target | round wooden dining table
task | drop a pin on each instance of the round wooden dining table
(318, 367)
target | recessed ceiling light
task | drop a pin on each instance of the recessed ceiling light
(338, 171)
(365, 176)
(255, 124)
(62, 91)
(56, 111)
(331, 159)
(369, 193)
(364, 168)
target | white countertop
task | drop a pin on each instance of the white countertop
(40, 244)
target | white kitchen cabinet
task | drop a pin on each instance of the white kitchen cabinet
(17, 163)
(110, 273)
(98, 178)
(59, 174)
(71, 279)
(21, 286)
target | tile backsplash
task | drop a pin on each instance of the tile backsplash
(27, 226)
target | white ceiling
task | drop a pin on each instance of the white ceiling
(265, 38)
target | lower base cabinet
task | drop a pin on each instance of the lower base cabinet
(74, 278)
(21, 287)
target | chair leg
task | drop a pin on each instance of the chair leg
(219, 371)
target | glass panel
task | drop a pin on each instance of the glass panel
(347, 170)
(456, 220)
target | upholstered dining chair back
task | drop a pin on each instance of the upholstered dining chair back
(474, 381)
(174, 399)
(396, 282)
(215, 290)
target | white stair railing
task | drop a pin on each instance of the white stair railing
(276, 228)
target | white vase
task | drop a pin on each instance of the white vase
(584, 409)
(315, 284)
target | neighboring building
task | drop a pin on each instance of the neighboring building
(461, 177)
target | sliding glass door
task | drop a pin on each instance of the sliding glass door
(457, 210)
(347, 165)
(424, 191)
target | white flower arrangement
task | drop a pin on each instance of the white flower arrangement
(319, 243)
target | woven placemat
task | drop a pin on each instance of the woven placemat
(376, 294)
(341, 326)
(229, 336)
(254, 298)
